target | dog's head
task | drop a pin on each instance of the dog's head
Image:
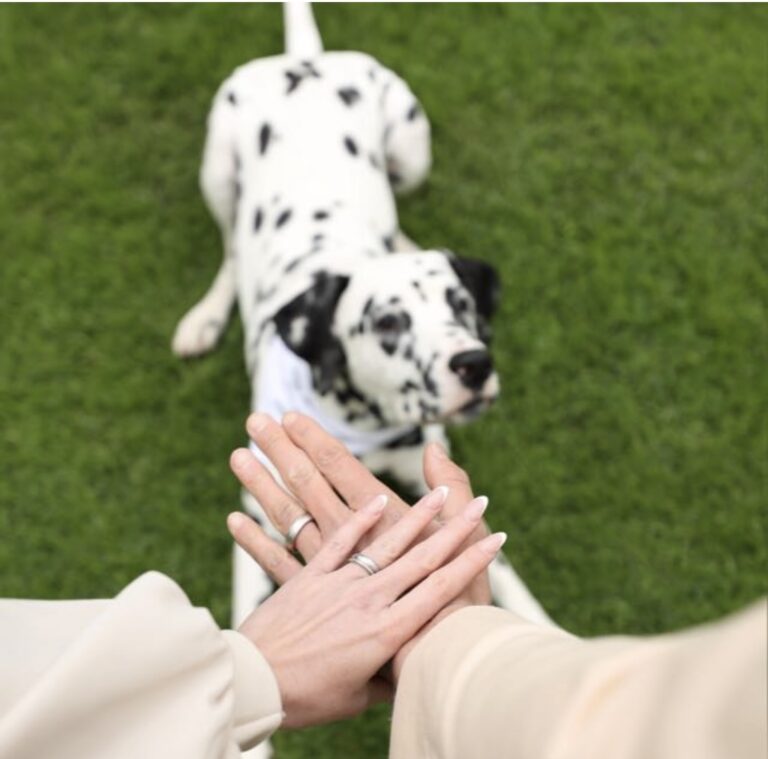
(407, 335)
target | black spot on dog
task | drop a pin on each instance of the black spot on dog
(283, 218)
(238, 190)
(309, 67)
(349, 95)
(407, 440)
(413, 112)
(459, 305)
(318, 238)
(373, 159)
(232, 97)
(389, 243)
(300, 260)
(394, 177)
(417, 286)
(258, 218)
(294, 80)
(320, 215)
(265, 135)
(262, 295)
(350, 145)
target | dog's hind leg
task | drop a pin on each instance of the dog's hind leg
(407, 141)
(202, 326)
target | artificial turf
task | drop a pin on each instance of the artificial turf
(609, 160)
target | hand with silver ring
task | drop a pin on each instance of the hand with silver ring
(295, 527)
(332, 625)
(324, 479)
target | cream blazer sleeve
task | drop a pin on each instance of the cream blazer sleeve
(142, 675)
(486, 685)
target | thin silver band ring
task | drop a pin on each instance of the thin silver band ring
(364, 562)
(295, 528)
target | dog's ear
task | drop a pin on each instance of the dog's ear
(304, 324)
(482, 281)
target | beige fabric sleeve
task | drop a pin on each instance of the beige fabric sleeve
(144, 674)
(484, 683)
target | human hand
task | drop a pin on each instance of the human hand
(330, 627)
(318, 469)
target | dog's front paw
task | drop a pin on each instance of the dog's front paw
(197, 333)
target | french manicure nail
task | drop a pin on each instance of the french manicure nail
(493, 543)
(439, 496)
(476, 508)
(377, 505)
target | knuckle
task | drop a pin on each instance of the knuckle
(330, 454)
(336, 545)
(429, 562)
(299, 475)
(283, 512)
(273, 560)
(457, 476)
(440, 584)
(389, 551)
(269, 437)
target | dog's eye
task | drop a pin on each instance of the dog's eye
(388, 323)
(461, 306)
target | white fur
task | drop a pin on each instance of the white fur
(316, 143)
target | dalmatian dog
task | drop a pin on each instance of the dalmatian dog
(345, 319)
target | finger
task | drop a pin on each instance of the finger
(281, 508)
(417, 607)
(440, 470)
(273, 558)
(392, 543)
(347, 475)
(430, 555)
(339, 546)
(297, 471)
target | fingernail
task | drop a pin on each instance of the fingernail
(377, 505)
(290, 418)
(235, 520)
(240, 457)
(257, 422)
(438, 451)
(476, 508)
(493, 543)
(438, 497)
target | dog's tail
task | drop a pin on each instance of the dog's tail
(301, 36)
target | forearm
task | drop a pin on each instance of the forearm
(484, 683)
(109, 678)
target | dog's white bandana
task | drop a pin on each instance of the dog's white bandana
(285, 384)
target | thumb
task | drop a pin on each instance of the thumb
(440, 470)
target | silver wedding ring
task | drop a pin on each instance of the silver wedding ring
(364, 562)
(295, 528)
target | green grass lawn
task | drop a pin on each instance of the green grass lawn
(610, 161)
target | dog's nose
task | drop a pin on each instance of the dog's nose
(473, 367)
